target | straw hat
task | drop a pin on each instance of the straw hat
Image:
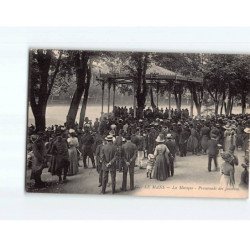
(71, 131)
(227, 126)
(109, 138)
(247, 124)
(169, 136)
(151, 156)
(160, 138)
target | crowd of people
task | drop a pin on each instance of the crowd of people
(118, 143)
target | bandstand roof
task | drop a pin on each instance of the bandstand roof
(155, 74)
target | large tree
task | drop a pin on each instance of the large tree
(44, 66)
(186, 64)
(225, 79)
(80, 59)
(137, 65)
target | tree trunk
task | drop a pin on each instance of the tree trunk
(221, 108)
(216, 107)
(141, 84)
(81, 71)
(85, 98)
(152, 99)
(243, 102)
(197, 101)
(177, 97)
(39, 115)
(43, 58)
(231, 107)
(229, 104)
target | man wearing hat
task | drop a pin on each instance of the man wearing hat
(129, 155)
(108, 159)
(170, 143)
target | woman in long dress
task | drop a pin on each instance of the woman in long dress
(204, 138)
(73, 144)
(161, 169)
(227, 138)
(227, 171)
(192, 143)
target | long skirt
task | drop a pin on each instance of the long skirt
(239, 140)
(192, 144)
(37, 168)
(161, 169)
(140, 156)
(204, 142)
(73, 159)
(225, 181)
(227, 143)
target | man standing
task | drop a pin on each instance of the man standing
(87, 142)
(170, 143)
(99, 162)
(213, 151)
(184, 135)
(108, 159)
(39, 160)
(61, 153)
(129, 154)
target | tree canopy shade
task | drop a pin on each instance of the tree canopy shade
(207, 78)
(44, 67)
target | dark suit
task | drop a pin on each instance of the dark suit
(129, 154)
(172, 148)
(212, 153)
(184, 135)
(98, 162)
(87, 142)
(108, 156)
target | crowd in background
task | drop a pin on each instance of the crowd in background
(119, 142)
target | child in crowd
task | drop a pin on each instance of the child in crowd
(150, 165)
(244, 180)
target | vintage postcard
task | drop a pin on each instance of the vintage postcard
(138, 123)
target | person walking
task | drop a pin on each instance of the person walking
(108, 159)
(129, 155)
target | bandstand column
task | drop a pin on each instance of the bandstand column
(109, 86)
(103, 84)
(157, 95)
(169, 104)
(134, 104)
(113, 96)
(191, 104)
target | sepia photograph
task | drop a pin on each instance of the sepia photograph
(138, 123)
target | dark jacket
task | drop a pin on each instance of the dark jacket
(129, 152)
(108, 155)
(213, 149)
(171, 146)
